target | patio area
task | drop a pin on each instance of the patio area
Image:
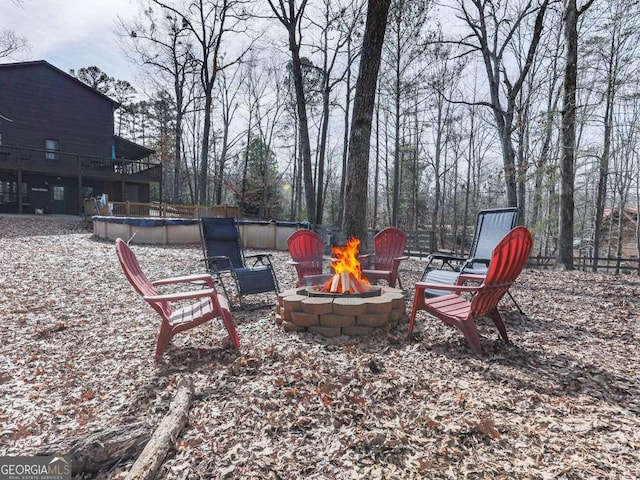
(76, 355)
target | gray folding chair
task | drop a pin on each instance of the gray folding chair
(491, 226)
(225, 257)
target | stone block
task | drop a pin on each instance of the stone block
(292, 327)
(293, 302)
(397, 314)
(287, 293)
(358, 330)
(379, 305)
(349, 306)
(304, 319)
(334, 320)
(286, 315)
(372, 320)
(326, 331)
(317, 305)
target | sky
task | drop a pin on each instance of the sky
(71, 34)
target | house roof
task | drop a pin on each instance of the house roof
(130, 150)
(61, 72)
(630, 213)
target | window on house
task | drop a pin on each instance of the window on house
(58, 192)
(87, 192)
(8, 192)
(52, 148)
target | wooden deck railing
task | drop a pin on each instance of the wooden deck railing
(159, 210)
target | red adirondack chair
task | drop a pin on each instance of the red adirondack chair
(306, 249)
(389, 247)
(508, 259)
(209, 303)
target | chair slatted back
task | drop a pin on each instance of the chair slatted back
(389, 243)
(508, 259)
(137, 278)
(306, 248)
(221, 237)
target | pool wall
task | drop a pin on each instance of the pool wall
(174, 231)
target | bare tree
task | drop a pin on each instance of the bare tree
(11, 43)
(355, 202)
(209, 22)
(564, 258)
(162, 42)
(616, 47)
(336, 30)
(290, 15)
(228, 89)
(403, 48)
(493, 25)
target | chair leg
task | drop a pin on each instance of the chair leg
(515, 303)
(231, 329)
(497, 319)
(418, 303)
(468, 328)
(164, 337)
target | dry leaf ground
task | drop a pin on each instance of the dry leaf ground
(76, 355)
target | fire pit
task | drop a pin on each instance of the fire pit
(336, 314)
(345, 305)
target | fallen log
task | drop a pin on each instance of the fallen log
(102, 449)
(150, 460)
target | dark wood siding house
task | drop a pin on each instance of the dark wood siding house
(57, 144)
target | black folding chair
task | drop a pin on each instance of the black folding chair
(225, 258)
(491, 226)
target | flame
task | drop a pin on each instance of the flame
(347, 270)
(346, 259)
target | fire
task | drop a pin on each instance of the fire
(348, 271)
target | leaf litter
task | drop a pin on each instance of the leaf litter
(561, 400)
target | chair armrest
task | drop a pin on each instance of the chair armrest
(469, 277)
(447, 259)
(174, 297)
(263, 259)
(259, 256)
(397, 260)
(446, 256)
(185, 279)
(215, 259)
(422, 286)
(484, 261)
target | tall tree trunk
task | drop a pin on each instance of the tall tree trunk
(601, 195)
(355, 203)
(564, 258)
(245, 166)
(324, 129)
(177, 156)
(345, 148)
(376, 177)
(565, 245)
(396, 154)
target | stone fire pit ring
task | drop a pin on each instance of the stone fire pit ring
(334, 315)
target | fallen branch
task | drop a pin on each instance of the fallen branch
(149, 462)
(102, 449)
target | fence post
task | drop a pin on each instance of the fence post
(127, 209)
